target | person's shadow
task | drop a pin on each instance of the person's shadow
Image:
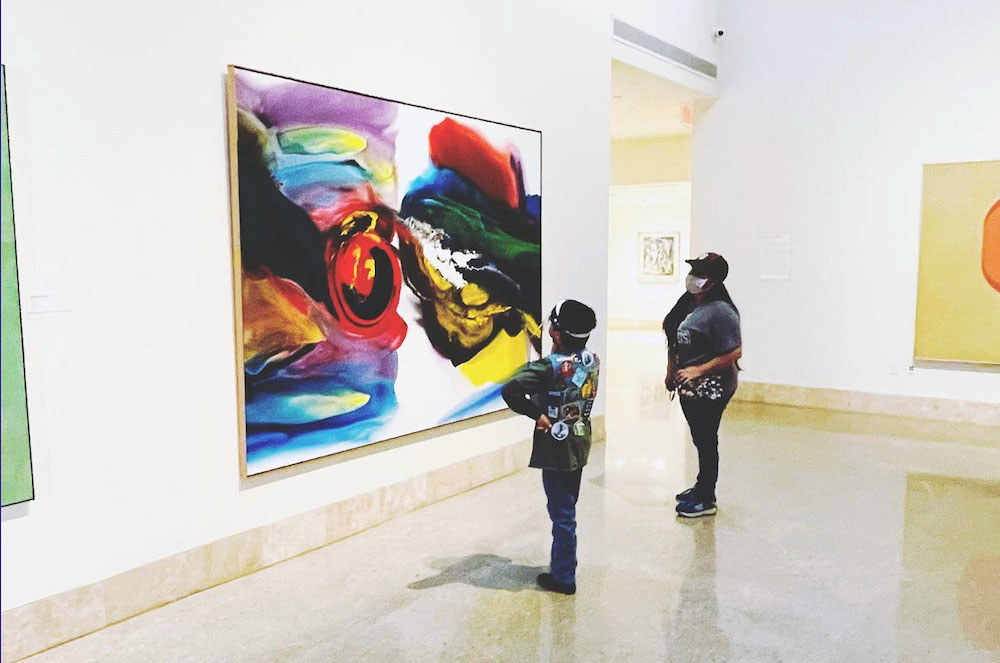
(481, 570)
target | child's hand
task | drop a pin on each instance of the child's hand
(543, 424)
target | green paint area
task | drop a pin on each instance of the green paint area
(321, 140)
(470, 229)
(16, 457)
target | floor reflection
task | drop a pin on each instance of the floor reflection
(951, 561)
(840, 537)
(562, 625)
(694, 633)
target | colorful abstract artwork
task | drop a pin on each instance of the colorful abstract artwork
(387, 263)
(17, 484)
(958, 286)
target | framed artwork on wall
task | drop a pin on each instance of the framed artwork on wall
(958, 282)
(17, 480)
(659, 254)
(387, 265)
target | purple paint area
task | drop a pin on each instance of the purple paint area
(288, 104)
(314, 181)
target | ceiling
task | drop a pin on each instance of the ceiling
(644, 105)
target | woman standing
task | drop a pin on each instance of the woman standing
(703, 336)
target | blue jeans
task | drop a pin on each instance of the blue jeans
(562, 490)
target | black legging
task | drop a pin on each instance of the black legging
(704, 416)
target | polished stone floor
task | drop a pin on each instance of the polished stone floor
(839, 537)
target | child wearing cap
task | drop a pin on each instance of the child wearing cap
(558, 393)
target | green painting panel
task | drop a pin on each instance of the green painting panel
(16, 458)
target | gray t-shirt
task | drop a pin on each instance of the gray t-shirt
(710, 330)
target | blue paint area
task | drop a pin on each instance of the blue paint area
(446, 184)
(273, 450)
(486, 399)
(280, 410)
(319, 182)
(264, 442)
(533, 206)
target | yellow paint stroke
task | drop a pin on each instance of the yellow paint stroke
(358, 222)
(383, 171)
(356, 255)
(324, 406)
(468, 326)
(497, 361)
(322, 140)
(472, 294)
(534, 329)
(271, 323)
(465, 313)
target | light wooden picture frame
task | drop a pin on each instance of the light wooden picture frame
(368, 235)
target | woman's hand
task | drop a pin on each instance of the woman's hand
(690, 373)
(543, 424)
(716, 365)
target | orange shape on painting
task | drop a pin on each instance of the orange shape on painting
(464, 150)
(991, 246)
(276, 317)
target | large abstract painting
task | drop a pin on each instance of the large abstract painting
(17, 484)
(958, 284)
(387, 264)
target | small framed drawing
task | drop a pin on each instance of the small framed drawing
(658, 256)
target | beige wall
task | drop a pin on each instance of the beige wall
(633, 210)
(651, 160)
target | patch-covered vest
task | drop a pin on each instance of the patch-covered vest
(570, 398)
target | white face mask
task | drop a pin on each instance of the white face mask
(695, 284)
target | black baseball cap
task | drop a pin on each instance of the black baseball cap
(573, 318)
(711, 265)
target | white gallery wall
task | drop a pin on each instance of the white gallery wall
(827, 114)
(118, 144)
(686, 24)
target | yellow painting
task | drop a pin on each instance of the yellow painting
(958, 286)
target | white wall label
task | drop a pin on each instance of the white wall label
(48, 303)
(775, 257)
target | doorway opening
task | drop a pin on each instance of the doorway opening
(652, 122)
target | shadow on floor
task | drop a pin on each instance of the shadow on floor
(481, 570)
